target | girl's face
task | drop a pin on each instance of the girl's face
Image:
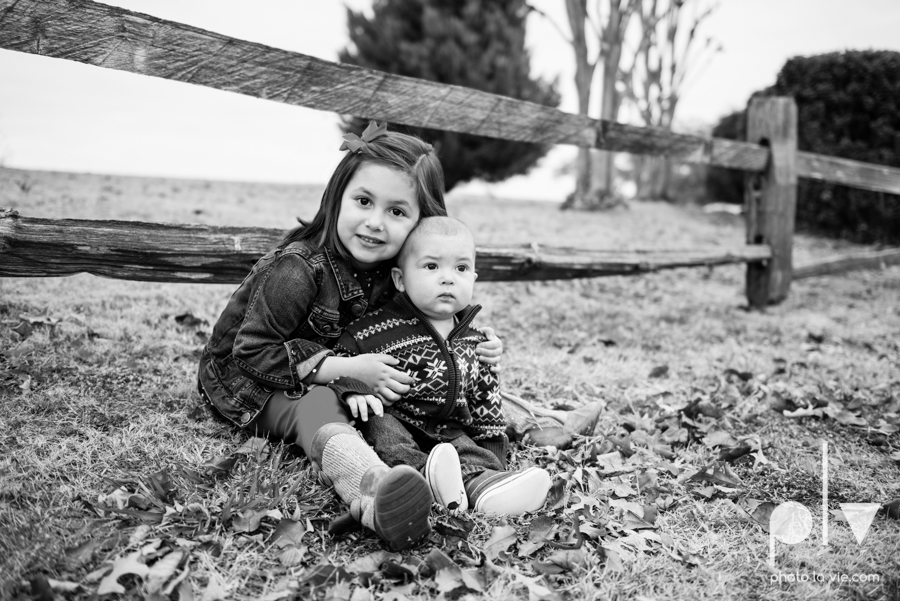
(378, 210)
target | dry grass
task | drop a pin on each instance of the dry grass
(105, 397)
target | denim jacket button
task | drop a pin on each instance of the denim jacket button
(357, 310)
(245, 418)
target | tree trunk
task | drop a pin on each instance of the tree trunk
(584, 74)
(604, 166)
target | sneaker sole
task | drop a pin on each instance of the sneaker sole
(402, 506)
(532, 486)
(461, 502)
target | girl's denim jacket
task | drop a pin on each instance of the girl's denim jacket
(278, 326)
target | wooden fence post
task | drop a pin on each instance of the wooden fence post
(770, 198)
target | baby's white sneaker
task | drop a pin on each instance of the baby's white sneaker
(444, 474)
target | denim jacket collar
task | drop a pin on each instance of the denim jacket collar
(347, 284)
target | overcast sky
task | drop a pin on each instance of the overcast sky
(57, 114)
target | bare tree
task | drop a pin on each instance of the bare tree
(605, 30)
(665, 59)
(612, 37)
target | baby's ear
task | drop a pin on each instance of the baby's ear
(397, 276)
(475, 273)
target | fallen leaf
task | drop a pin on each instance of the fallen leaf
(719, 438)
(563, 560)
(254, 446)
(454, 526)
(548, 437)
(63, 586)
(536, 590)
(448, 579)
(475, 580)
(24, 330)
(215, 589)
(187, 320)
(292, 555)
(437, 560)
(371, 563)
(804, 412)
(325, 573)
(361, 594)
(399, 593)
(128, 564)
(759, 511)
(40, 589)
(339, 592)
(394, 570)
(162, 570)
(659, 371)
(539, 531)
(288, 532)
(43, 318)
(80, 555)
(502, 537)
(221, 466)
(557, 496)
(248, 521)
(848, 418)
(716, 472)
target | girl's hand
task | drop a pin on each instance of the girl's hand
(376, 370)
(360, 403)
(490, 350)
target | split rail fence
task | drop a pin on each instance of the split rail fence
(115, 38)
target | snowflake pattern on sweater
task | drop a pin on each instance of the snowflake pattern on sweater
(453, 390)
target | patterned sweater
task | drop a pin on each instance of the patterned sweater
(453, 390)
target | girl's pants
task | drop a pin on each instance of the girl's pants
(296, 420)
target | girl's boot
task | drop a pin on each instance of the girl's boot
(395, 502)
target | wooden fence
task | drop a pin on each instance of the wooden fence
(115, 38)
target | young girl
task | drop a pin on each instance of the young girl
(273, 341)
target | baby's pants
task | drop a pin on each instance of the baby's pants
(400, 444)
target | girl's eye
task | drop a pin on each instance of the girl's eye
(398, 212)
(430, 266)
(364, 201)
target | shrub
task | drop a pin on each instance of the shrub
(848, 106)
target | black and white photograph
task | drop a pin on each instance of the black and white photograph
(407, 300)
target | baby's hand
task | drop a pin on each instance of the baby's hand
(377, 371)
(360, 403)
(490, 350)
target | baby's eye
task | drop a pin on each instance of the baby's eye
(398, 212)
(431, 266)
(462, 268)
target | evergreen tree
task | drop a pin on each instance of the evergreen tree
(478, 44)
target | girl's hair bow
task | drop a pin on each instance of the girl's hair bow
(373, 131)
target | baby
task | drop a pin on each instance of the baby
(449, 425)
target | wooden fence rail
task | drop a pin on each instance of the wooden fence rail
(110, 37)
(161, 252)
(115, 38)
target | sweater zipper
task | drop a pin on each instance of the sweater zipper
(453, 391)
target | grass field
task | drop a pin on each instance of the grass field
(107, 459)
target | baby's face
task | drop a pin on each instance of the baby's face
(439, 274)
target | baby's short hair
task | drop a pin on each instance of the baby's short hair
(440, 226)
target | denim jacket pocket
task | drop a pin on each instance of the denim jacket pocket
(324, 322)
